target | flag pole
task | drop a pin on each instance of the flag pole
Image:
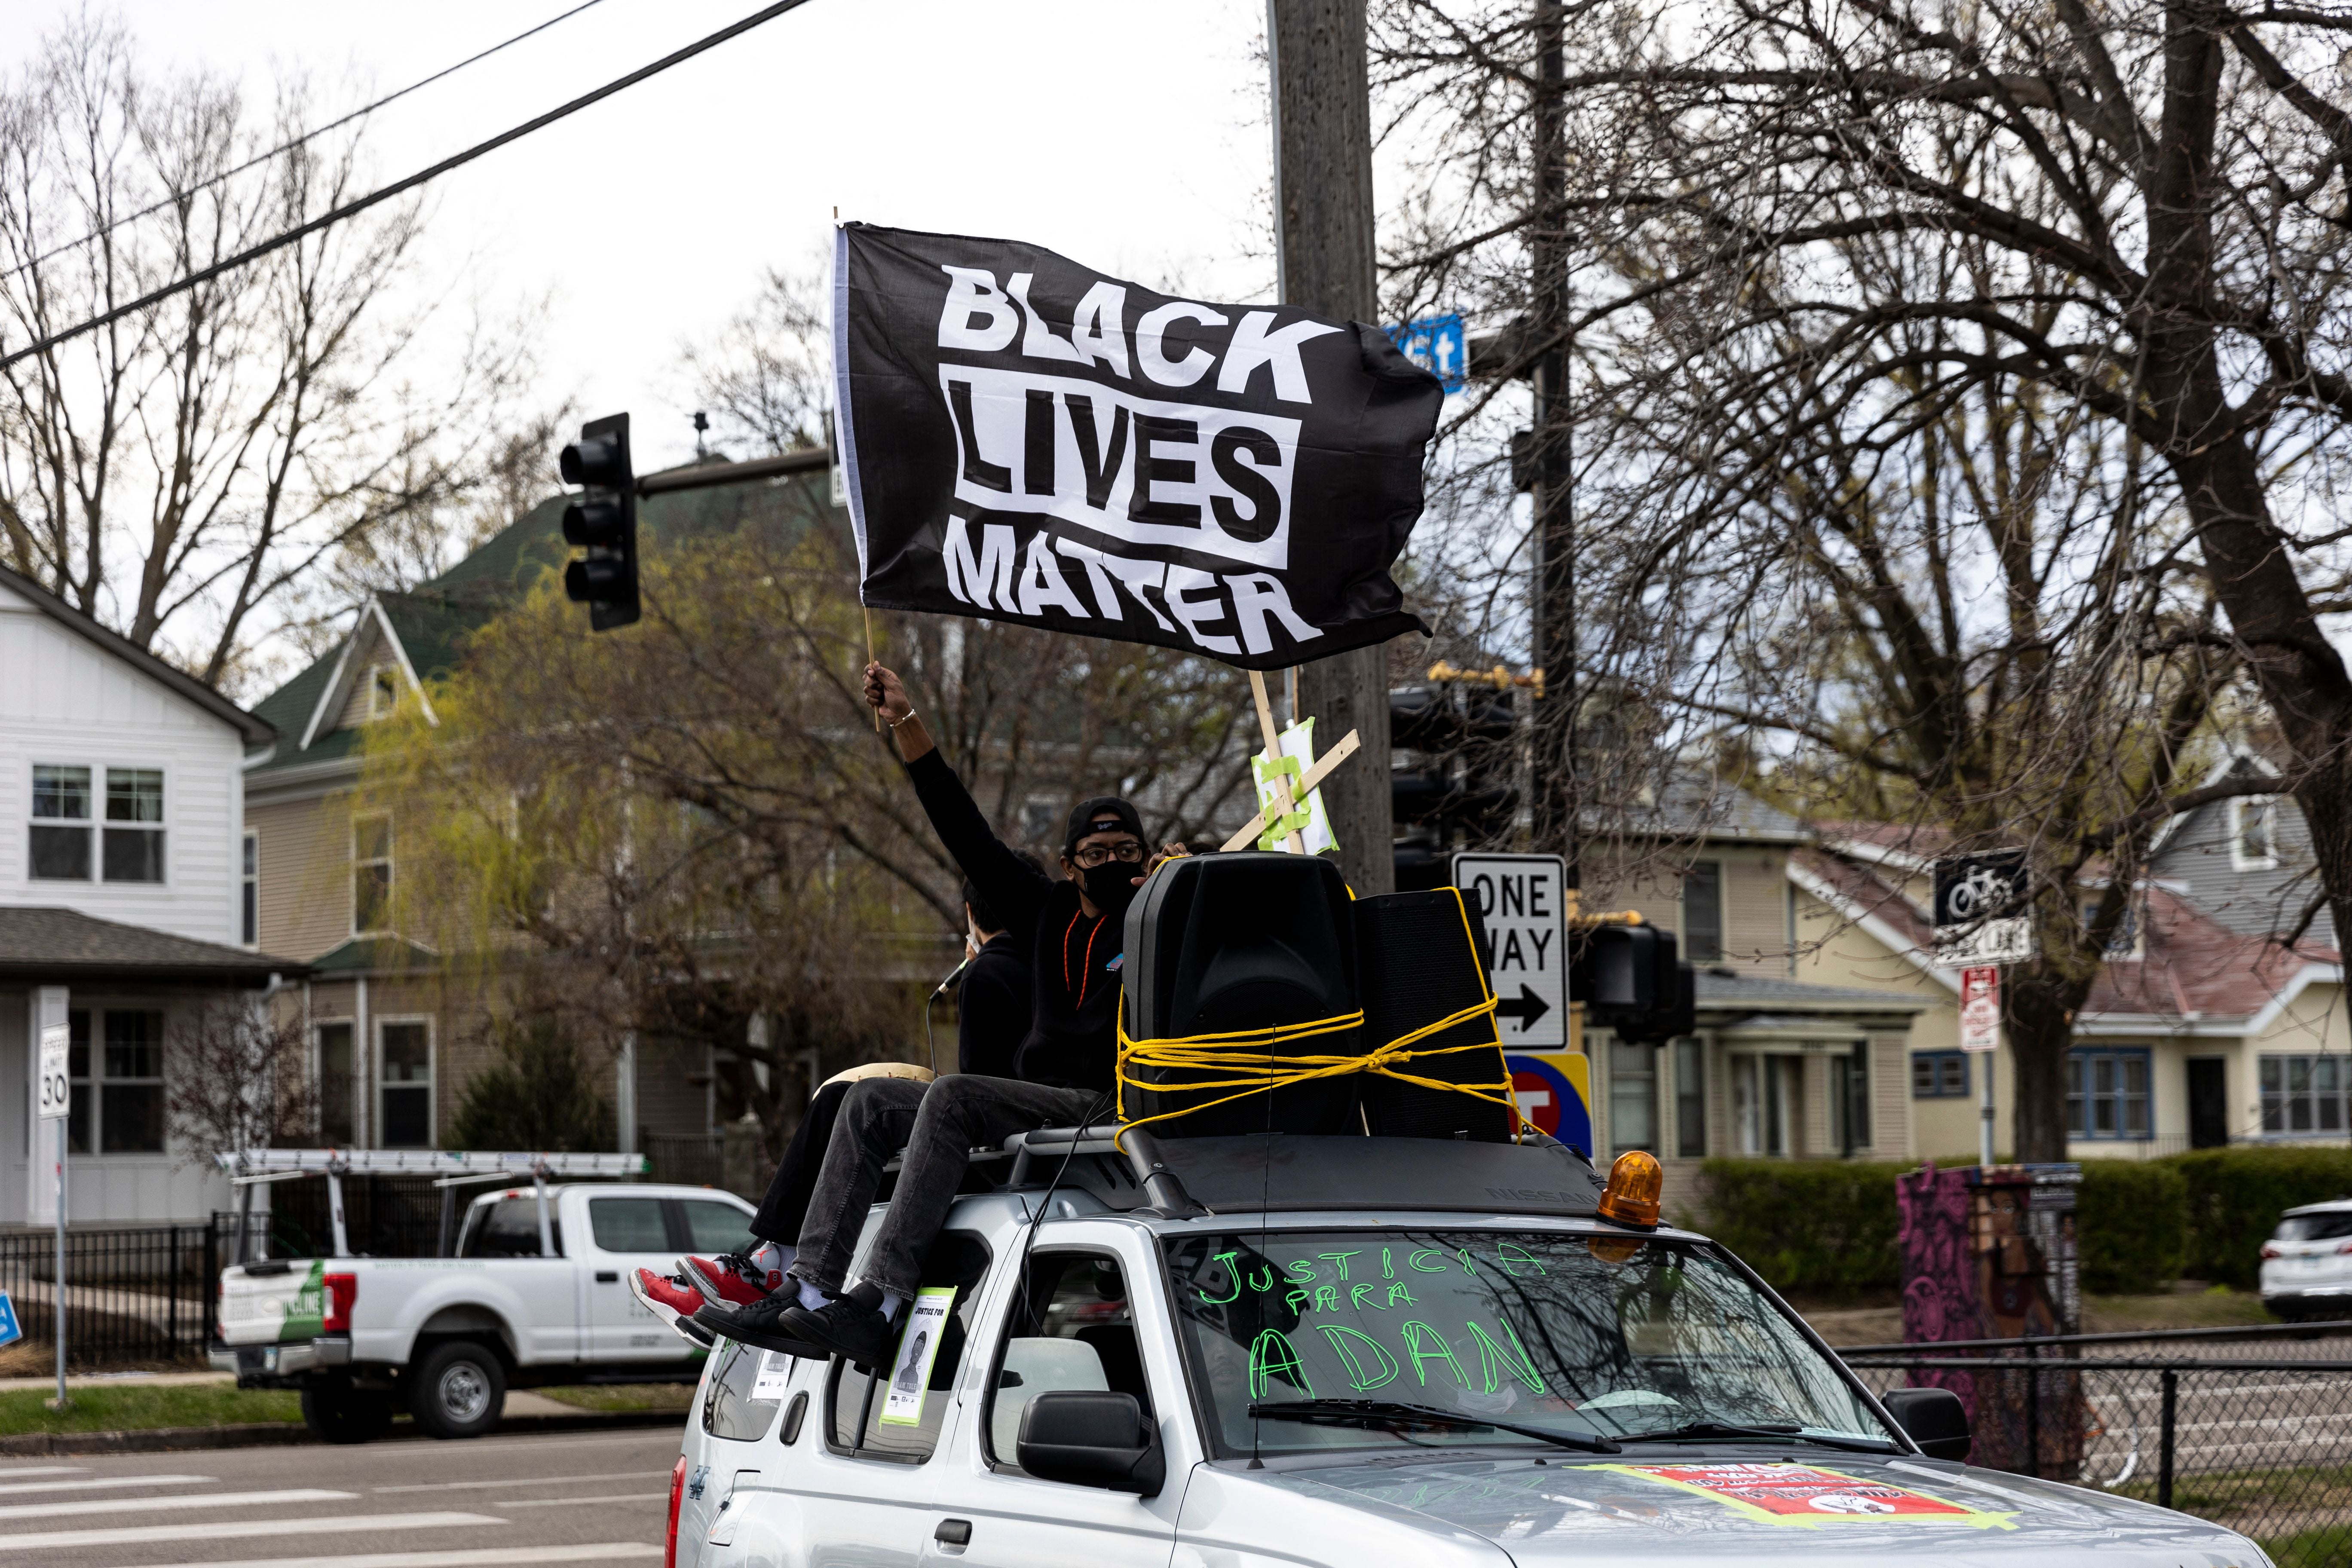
(869, 658)
(1283, 803)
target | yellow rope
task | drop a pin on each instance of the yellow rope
(1260, 1074)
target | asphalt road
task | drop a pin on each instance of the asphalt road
(591, 1498)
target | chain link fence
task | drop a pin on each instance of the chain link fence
(2252, 1431)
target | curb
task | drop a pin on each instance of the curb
(270, 1435)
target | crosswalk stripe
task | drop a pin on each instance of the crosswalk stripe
(183, 1499)
(11, 1488)
(535, 1481)
(6, 1471)
(491, 1557)
(585, 1501)
(231, 1530)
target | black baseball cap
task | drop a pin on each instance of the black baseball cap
(1103, 813)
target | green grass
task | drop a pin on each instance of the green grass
(124, 1409)
(608, 1398)
(2324, 1548)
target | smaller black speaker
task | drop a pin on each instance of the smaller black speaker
(1420, 957)
(1221, 943)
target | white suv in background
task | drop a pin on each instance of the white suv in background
(2307, 1262)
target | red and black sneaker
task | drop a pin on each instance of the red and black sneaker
(672, 1303)
(730, 1279)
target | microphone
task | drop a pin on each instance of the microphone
(941, 988)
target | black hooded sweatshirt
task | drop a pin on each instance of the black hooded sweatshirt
(1074, 959)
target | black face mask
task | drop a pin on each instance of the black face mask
(1112, 886)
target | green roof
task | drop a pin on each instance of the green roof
(433, 619)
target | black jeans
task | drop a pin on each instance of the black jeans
(786, 1205)
(939, 1130)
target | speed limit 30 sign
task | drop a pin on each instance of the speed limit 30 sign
(55, 1086)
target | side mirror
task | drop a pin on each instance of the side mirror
(1092, 1439)
(1932, 1417)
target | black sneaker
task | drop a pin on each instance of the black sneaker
(850, 1325)
(758, 1324)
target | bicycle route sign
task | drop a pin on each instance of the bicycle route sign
(1982, 913)
(1520, 901)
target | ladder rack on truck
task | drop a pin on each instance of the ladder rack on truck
(451, 1168)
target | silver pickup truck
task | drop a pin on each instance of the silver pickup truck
(1257, 1350)
(533, 1291)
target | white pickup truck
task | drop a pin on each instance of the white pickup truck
(534, 1293)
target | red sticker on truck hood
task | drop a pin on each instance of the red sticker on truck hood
(1802, 1495)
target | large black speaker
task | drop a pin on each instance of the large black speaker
(1219, 943)
(1422, 958)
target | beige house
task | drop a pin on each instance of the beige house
(1782, 1063)
(395, 1032)
(2199, 1032)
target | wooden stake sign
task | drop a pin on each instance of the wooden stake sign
(1285, 798)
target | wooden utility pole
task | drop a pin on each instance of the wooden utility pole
(1554, 761)
(1323, 233)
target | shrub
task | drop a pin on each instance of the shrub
(2132, 1222)
(1824, 1226)
(2234, 1197)
(540, 1091)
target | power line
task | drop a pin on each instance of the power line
(258, 159)
(398, 187)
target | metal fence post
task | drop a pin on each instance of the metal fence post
(2171, 1381)
(211, 1279)
(171, 1313)
(2034, 1411)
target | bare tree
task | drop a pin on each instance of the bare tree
(179, 474)
(235, 1079)
(767, 379)
(1959, 393)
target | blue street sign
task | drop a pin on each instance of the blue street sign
(1439, 346)
(9, 1331)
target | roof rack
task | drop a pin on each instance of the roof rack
(249, 1168)
(1188, 1178)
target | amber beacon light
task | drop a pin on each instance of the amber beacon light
(1634, 1183)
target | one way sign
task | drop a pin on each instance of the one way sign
(1520, 898)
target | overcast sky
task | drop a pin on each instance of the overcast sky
(1132, 138)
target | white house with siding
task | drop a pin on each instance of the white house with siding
(127, 897)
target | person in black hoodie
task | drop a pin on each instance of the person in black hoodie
(993, 1000)
(1062, 1070)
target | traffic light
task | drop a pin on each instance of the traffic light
(1461, 791)
(1628, 978)
(602, 519)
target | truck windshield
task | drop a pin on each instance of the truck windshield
(1576, 1334)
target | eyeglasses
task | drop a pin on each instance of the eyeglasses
(1094, 855)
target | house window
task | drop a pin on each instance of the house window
(1703, 912)
(336, 1085)
(248, 910)
(2108, 1094)
(60, 846)
(1690, 1098)
(118, 1092)
(130, 1095)
(2253, 833)
(1939, 1075)
(1761, 1095)
(1850, 1100)
(404, 1091)
(384, 692)
(370, 873)
(1633, 1097)
(134, 825)
(2304, 1094)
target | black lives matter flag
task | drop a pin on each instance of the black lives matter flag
(1026, 440)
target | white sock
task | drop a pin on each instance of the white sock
(891, 1302)
(811, 1296)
